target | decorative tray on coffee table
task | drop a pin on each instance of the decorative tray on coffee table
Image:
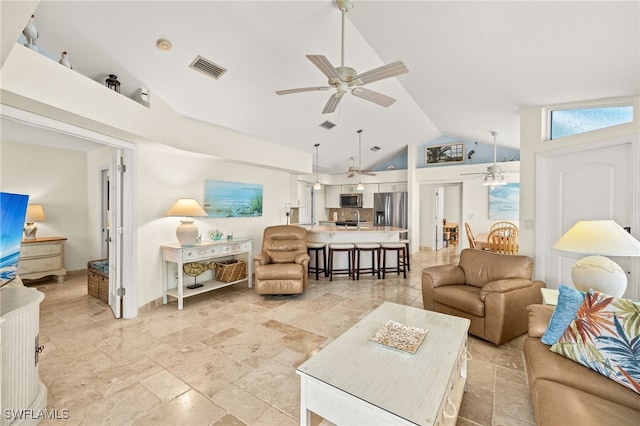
(400, 336)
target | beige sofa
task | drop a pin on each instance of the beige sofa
(491, 290)
(564, 392)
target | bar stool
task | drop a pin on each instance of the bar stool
(341, 248)
(317, 249)
(407, 254)
(374, 249)
(400, 249)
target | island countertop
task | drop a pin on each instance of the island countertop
(352, 234)
(351, 229)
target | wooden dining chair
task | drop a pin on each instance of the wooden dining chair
(506, 228)
(502, 242)
(472, 241)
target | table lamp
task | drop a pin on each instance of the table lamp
(35, 213)
(599, 238)
(186, 232)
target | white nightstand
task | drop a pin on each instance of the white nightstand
(42, 257)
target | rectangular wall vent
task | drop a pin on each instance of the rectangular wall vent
(207, 67)
(327, 125)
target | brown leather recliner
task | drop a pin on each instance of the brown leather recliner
(491, 290)
(282, 266)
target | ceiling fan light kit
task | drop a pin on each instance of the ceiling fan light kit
(494, 176)
(344, 79)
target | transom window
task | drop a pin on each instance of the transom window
(567, 122)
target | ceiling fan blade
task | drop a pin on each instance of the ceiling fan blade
(472, 174)
(385, 71)
(375, 97)
(302, 89)
(332, 103)
(351, 174)
(367, 172)
(324, 65)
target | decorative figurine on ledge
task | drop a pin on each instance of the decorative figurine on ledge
(31, 34)
(64, 61)
(113, 83)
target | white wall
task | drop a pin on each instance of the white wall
(474, 196)
(166, 176)
(56, 179)
(533, 142)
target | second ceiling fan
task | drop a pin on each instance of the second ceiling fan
(343, 79)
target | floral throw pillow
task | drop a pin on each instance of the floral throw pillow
(605, 337)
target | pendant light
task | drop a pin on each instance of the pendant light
(317, 185)
(360, 186)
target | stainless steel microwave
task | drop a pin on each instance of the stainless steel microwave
(351, 200)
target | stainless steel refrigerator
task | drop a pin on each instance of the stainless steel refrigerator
(391, 209)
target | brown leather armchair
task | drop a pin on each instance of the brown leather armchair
(491, 290)
(281, 267)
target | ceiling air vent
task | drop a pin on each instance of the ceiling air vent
(327, 125)
(207, 67)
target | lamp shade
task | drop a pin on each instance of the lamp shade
(599, 238)
(187, 232)
(603, 237)
(187, 207)
(35, 213)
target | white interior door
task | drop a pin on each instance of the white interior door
(588, 184)
(115, 233)
(438, 201)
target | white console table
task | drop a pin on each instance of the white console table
(174, 257)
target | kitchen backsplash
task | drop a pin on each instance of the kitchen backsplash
(366, 215)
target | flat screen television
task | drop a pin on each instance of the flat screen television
(13, 209)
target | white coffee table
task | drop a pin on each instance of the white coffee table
(356, 381)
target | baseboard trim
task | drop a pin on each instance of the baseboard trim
(148, 307)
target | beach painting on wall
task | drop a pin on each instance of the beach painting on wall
(232, 199)
(504, 202)
(13, 209)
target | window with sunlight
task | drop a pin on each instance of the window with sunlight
(567, 122)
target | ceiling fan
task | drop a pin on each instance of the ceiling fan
(494, 175)
(343, 79)
(353, 170)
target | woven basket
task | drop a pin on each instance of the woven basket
(230, 270)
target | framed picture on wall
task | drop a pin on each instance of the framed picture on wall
(504, 202)
(232, 199)
(444, 154)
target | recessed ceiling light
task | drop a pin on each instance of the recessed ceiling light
(163, 44)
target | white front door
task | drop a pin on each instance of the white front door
(587, 184)
(115, 232)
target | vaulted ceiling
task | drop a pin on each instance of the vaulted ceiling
(472, 65)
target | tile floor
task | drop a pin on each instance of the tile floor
(229, 357)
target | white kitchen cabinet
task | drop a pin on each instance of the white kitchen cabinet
(367, 195)
(332, 196)
(393, 187)
(349, 189)
(302, 194)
